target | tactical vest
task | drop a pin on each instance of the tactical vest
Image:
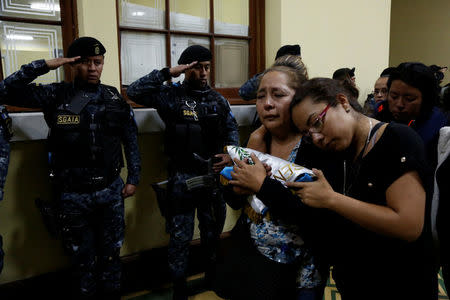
(85, 146)
(195, 127)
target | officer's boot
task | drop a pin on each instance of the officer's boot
(180, 289)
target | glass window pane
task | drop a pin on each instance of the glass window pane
(23, 43)
(231, 17)
(231, 62)
(140, 54)
(33, 9)
(142, 13)
(179, 43)
(190, 15)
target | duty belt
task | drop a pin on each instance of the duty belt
(85, 183)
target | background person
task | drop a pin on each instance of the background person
(412, 100)
(380, 91)
(345, 74)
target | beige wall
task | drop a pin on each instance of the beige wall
(332, 35)
(29, 250)
(234, 11)
(273, 30)
(98, 19)
(420, 31)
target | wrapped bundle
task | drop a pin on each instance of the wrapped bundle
(282, 170)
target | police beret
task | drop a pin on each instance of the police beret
(343, 72)
(85, 46)
(288, 50)
(194, 53)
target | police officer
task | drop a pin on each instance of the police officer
(88, 122)
(199, 123)
(5, 135)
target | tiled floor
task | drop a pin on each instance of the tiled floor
(165, 293)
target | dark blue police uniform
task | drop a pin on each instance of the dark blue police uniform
(87, 126)
(199, 123)
(5, 149)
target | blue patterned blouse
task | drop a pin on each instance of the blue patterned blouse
(280, 242)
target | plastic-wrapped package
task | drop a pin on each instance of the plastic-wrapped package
(282, 170)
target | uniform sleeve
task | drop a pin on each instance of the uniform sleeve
(17, 89)
(248, 90)
(231, 126)
(150, 89)
(131, 149)
(4, 161)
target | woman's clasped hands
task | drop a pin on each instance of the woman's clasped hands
(248, 179)
(318, 193)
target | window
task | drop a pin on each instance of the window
(35, 29)
(153, 34)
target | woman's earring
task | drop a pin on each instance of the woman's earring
(347, 110)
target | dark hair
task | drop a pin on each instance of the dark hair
(292, 66)
(446, 98)
(344, 73)
(437, 72)
(387, 72)
(326, 90)
(288, 50)
(422, 78)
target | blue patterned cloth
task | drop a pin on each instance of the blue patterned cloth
(4, 162)
(281, 242)
(248, 90)
(92, 233)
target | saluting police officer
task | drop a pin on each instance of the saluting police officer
(199, 123)
(88, 122)
(5, 149)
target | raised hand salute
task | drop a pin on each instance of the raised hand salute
(55, 63)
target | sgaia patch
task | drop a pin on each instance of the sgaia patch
(190, 113)
(68, 119)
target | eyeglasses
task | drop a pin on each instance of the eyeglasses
(317, 124)
(380, 91)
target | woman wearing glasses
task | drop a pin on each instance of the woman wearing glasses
(412, 100)
(272, 260)
(371, 225)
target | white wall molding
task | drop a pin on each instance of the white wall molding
(31, 126)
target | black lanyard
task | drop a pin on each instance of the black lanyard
(351, 173)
